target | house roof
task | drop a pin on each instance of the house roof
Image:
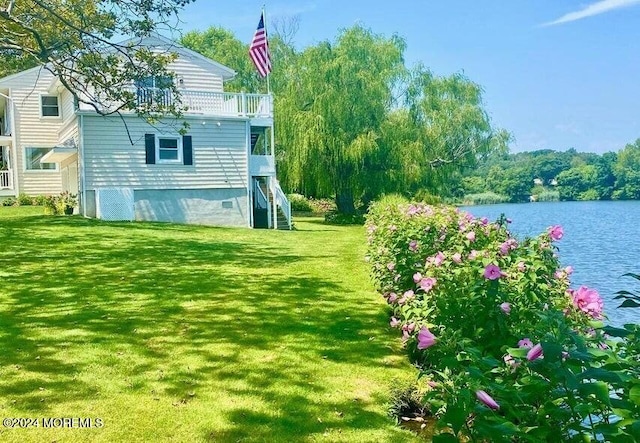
(8, 78)
(154, 40)
(157, 40)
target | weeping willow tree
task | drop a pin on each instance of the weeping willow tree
(330, 112)
(441, 130)
(353, 122)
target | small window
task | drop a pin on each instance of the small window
(169, 150)
(49, 106)
(32, 159)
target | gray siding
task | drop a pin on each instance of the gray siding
(219, 155)
(222, 207)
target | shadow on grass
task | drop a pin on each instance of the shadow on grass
(176, 309)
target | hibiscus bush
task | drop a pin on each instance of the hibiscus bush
(513, 354)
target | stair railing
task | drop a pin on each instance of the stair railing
(283, 202)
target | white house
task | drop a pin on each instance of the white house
(221, 172)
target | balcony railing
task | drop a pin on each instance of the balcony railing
(6, 179)
(212, 103)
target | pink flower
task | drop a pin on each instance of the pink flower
(391, 266)
(525, 343)
(394, 322)
(425, 338)
(471, 236)
(521, 266)
(393, 297)
(492, 272)
(487, 400)
(473, 254)
(409, 327)
(510, 361)
(535, 352)
(417, 277)
(484, 221)
(588, 300)
(568, 270)
(438, 259)
(413, 245)
(555, 232)
(506, 307)
(412, 210)
(457, 257)
(408, 294)
(427, 284)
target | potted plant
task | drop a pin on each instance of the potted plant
(67, 202)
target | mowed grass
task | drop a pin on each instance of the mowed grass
(185, 333)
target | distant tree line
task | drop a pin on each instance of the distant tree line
(553, 175)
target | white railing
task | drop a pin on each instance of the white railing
(283, 203)
(261, 199)
(236, 104)
(6, 179)
(214, 103)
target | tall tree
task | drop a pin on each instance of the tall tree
(73, 40)
(336, 97)
(627, 172)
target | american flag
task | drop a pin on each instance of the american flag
(259, 49)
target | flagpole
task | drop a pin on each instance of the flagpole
(266, 35)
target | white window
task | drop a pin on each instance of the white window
(49, 106)
(169, 150)
(32, 158)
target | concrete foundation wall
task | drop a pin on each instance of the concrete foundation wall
(217, 207)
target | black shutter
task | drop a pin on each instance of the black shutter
(187, 150)
(150, 147)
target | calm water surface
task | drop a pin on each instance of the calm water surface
(601, 241)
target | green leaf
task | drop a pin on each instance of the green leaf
(634, 394)
(602, 375)
(598, 389)
(445, 438)
(456, 416)
(615, 332)
(629, 304)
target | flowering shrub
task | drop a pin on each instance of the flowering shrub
(513, 352)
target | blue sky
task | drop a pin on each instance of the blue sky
(556, 74)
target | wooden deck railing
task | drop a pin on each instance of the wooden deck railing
(6, 179)
(213, 103)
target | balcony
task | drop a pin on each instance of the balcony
(226, 104)
(212, 103)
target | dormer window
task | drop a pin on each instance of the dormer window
(49, 106)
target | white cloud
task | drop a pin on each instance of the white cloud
(593, 9)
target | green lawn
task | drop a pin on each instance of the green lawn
(186, 333)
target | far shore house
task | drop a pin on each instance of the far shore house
(221, 172)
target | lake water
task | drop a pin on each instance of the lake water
(601, 241)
